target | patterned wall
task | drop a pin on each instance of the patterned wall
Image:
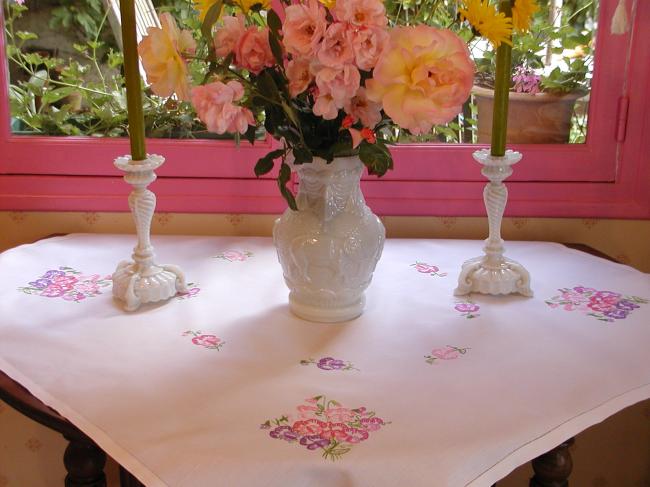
(615, 453)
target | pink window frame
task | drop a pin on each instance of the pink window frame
(604, 177)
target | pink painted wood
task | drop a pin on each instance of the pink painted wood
(602, 178)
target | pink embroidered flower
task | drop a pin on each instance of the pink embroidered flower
(356, 436)
(253, 51)
(339, 415)
(233, 255)
(309, 427)
(361, 108)
(422, 78)
(214, 106)
(368, 44)
(361, 12)
(341, 84)
(63, 280)
(372, 424)
(426, 268)
(447, 353)
(207, 341)
(336, 49)
(307, 411)
(335, 431)
(74, 296)
(303, 28)
(53, 291)
(228, 34)
(466, 307)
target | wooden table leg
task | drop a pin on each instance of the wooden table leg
(552, 469)
(84, 462)
(128, 480)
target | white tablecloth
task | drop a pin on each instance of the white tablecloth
(224, 387)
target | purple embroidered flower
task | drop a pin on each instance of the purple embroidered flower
(40, 283)
(466, 307)
(52, 274)
(329, 363)
(584, 290)
(626, 305)
(284, 433)
(617, 314)
(314, 441)
(606, 295)
(372, 424)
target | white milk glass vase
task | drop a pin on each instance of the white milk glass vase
(329, 248)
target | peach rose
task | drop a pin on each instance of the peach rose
(368, 44)
(325, 106)
(336, 49)
(299, 75)
(361, 108)
(162, 52)
(422, 78)
(303, 28)
(228, 34)
(361, 13)
(253, 51)
(214, 105)
(342, 84)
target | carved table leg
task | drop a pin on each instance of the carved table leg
(552, 469)
(84, 462)
(128, 480)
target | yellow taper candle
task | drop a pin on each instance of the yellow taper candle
(132, 75)
(501, 91)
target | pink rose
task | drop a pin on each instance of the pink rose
(214, 106)
(227, 36)
(325, 106)
(303, 28)
(207, 341)
(361, 13)
(336, 49)
(299, 75)
(422, 78)
(368, 44)
(253, 51)
(342, 83)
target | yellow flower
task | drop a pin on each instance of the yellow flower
(254, 5)
(203, 6)
(330, 4)
(522, 13)
(492, 25)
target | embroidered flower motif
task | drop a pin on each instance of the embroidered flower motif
(200, 339)
(330, 363)
(325, 425)
(468, 309)
(234, 255)
(68, 284)
(446, 353)
(605, 306)
(193, 290)
(432, 270)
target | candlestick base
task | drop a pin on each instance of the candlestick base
(141, 280)
(492, 273)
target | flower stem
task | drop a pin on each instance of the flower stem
(501, 91)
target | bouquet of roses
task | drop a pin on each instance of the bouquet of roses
(324, 77)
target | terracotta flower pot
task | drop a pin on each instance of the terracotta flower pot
(540, 118)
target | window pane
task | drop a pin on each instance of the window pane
(552, 71)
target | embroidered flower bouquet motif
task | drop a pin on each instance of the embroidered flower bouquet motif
(467, 309)
(325, 425)
(200, 339)
(329, 363)
(446, 353)
(603, 305)
(432, 270)
(193, 290)
(68, 284)
(234, 255)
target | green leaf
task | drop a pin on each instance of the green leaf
(250, 134)
(26, 36)
(266, 86)
(274, 22)
(276, 48)
(265, 164)
(375, 157)
(302, 155)
(210, 19)
(283, 178)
